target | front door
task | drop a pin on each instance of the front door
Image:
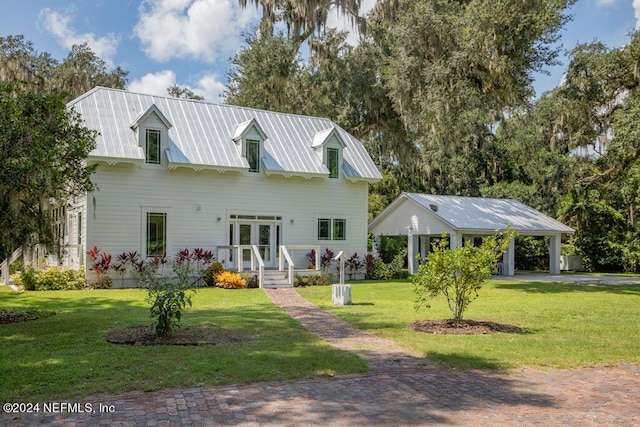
(260, 234)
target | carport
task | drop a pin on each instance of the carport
(423, 216)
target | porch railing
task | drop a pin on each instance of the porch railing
(255, 259)
(285, 257)
(4, 265)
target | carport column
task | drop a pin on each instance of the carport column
(412, 252)
(554, 254)
(509, 259)
(455, 240)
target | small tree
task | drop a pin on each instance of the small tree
(460, 273)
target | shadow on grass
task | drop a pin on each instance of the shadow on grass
(67, 355)
(563, 287)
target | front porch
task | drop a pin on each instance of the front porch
(278, 272)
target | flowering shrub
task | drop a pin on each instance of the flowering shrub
(230, 280)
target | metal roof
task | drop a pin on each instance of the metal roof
(481, 214)
(202, 134)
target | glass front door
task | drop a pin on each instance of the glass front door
(261, 235)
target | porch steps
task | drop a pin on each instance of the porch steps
(275, 279)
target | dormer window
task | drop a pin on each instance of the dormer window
(329, 145)
(249, 138)
(253, 155)
(152, 147)
(333, 161)
(151, 129)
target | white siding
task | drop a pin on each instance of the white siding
(194, 201)
(407, 214)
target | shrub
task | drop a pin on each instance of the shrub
(311, 259)
(51, 279)
(251, 279)
(326, 259)
(354, 264)
(322, 279)
(26, 279)
(458, 274)
(209, 275)
(15, 266)
(230, 280)
(167, 301)
(101, 266)
(388, 271)
(369, 262)
(59, 278)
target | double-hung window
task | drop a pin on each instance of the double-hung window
(332, 229)
(152, 147)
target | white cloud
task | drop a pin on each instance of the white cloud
(201, 29)
(208, 86)
(59, 25)
(154, 83)
(636, 8)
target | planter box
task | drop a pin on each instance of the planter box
(341, 294)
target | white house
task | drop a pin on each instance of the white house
(247, 184)
(422, 216)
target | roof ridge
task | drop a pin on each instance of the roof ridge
(218, 104)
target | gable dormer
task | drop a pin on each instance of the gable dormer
(329, 145)
(152, 131)
(249, 137)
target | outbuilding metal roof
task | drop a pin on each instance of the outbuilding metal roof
(481, 214)
(201, 134)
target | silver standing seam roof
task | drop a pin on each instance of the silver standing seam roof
(201, 135)
(482, 214)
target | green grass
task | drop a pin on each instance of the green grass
(67, 356)
(565, 325)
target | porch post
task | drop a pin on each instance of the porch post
(554, 254)
(412, 262)
(455, 240)
(509, 259)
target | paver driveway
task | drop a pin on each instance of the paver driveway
(401, 389)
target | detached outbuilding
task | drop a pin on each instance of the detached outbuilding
(422, 216)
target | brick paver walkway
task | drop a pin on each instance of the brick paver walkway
(400, 390)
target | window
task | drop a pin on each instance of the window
(79, 228)
(156, 234)
(253, 155)
(332, 229)
(339, 229)
(324, 229)
(152, 147)
(333, 162)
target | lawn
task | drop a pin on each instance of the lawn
(564, 325)
(66, 356)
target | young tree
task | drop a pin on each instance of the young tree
(458, 274)
(43, 148)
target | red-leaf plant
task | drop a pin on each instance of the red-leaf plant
(101, 265)
(354, 264)
(326, 259)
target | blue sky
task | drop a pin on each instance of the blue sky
(189, 42)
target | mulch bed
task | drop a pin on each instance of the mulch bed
(185, 335)
(462, 327)
(22, 315)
